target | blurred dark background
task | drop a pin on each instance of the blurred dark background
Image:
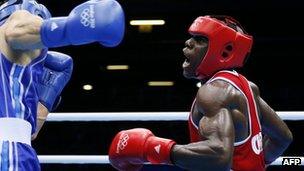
(275, 66)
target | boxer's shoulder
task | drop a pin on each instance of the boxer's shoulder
(255, 89)
(216, 95)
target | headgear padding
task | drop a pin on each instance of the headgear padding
(228, 44)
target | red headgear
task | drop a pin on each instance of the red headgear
(228, 46)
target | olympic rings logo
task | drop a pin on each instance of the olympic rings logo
(122, 143)
(87, 17)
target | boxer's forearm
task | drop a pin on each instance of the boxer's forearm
(22, 31)
(204, 155)
(42, 113)
(273, 149)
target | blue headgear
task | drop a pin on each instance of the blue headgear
(31, 6)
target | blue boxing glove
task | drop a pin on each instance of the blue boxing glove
(56, 73)
(95, 20)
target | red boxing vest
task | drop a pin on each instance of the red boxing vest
(248, 154)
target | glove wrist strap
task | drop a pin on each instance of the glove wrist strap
(158, 150)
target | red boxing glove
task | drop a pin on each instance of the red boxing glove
(130, 149)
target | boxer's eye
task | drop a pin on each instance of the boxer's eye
(201, 40)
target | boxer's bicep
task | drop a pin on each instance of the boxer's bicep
(213, 153)
(219, 129)
(216, 126)
(217, 123)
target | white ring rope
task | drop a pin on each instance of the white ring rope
(104, 159)
(132, 116)
(146, 116)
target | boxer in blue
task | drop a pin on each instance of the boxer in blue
(31, 77)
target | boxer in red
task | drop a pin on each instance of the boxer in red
(231, 126)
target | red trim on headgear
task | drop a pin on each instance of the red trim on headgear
(227, 47)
